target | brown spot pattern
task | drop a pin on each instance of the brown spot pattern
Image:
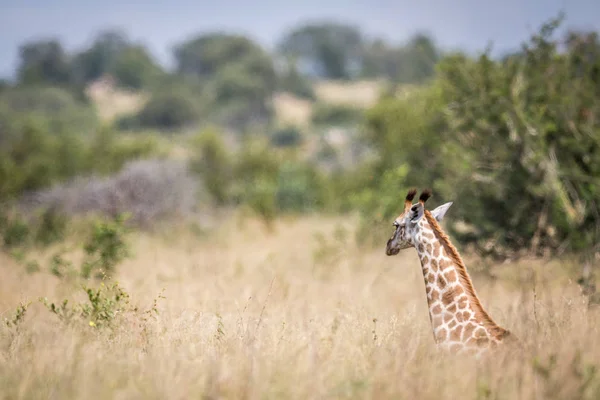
(427, 234)
(469, 328)
(459, 330)
(451, 276)
(441, 282)
(455, 334)
(442, 334)
(448, 297)
(430, 277)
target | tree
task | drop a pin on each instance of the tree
(413, 62)
(170, 110)
(56, 108)
(291, 80)
(134, 68)
(205, 55)
(418, 59)
(43, 62)
(96, 61)
(333, 50)
(214, 164)
(379, 60)
(112, 53)
(4, 85)
(514, 141)
(532, 134)
(239, 76)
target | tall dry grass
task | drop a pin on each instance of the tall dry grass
(298, 313)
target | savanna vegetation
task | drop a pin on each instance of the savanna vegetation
(217, 230)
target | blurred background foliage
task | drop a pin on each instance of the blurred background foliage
(331, 121)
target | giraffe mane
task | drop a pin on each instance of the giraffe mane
(465, 279)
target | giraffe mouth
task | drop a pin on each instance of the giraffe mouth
(390, 250)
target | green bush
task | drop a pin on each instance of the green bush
(108, 152)
(237, 75)
(292, 81)
(513, 143)
(57, 110)
(134, 68)
(257, 177)
(300, 188)
(106, 247)
(169, 111)
(19, 231)
(52, 227)
(15, 232)
(256, 170)
(214, 164)
(335, 114)
(288, 136)
(32, 158)
(103, 307)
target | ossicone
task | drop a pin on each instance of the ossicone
(411, 195)
(425, 195)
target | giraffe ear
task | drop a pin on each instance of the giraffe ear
(440, 211)
(416, 213)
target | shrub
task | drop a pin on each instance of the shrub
(56, 108)
(146, 190)
(105, 248)
(288, 136)
(300, 188)
(256, 169)
(17, 231)
(108, 152)
(134, 68)
(169, 111)
(335, 114)
(101, 309)
(52, 227)
(32, 159)
(292, 81)
(504, 139)
(214, 164)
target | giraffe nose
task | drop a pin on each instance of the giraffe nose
(389, 250)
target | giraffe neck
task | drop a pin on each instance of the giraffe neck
(457, 317)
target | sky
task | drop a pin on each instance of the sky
(470, 25)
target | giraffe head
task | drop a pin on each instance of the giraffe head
(411, 222)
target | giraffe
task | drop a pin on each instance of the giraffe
(459, 321)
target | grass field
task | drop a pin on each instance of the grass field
(297, 313)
